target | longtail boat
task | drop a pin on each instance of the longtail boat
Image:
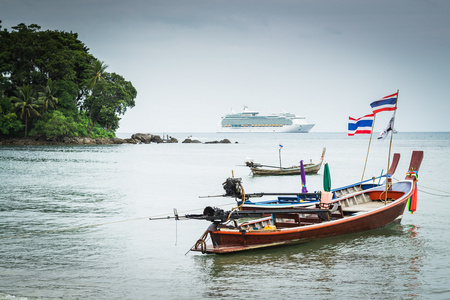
(265, 170)
(232, 187)
(364, 210)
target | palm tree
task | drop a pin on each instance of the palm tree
(25, 104)
(47, 96)
(97, 69)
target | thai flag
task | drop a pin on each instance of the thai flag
(281, 146)
(361, 125)
(385, 104)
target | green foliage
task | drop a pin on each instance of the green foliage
(55, 73)
(110, 98)
(99, 132)
(30, 56)
(67, 94)
(9, 124)
(96, 71)
(55, 124)
(25, 104)
(48, 95)
(84, 129)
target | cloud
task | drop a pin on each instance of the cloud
(192, 61)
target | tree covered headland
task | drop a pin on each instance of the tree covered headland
(52, 87)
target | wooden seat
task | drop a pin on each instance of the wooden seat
(336, 211)
(287, 220)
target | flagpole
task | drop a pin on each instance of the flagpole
(279, 155)
(389, 182)
(368, 148)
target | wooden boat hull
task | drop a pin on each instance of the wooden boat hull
(309, 169)
(356, 212)
(226, 241)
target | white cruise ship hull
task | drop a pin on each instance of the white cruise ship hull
(251, 121)
(294, 128)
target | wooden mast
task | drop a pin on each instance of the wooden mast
(279, 155)
(389, 182)
(368, 148)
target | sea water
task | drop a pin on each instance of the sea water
(74, 221)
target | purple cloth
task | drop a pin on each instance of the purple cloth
(302, 170)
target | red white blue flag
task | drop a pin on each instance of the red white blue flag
(361, 125)
(387, 103)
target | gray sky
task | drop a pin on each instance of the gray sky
(194, 61)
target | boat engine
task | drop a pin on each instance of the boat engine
(215, 214)
(232, 187)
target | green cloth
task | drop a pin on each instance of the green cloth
(326, 178)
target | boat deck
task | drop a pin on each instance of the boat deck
(363, 207)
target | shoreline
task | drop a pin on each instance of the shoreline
(65, 141)
(137, 138)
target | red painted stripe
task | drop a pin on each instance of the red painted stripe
(395, 94)
(384, 109)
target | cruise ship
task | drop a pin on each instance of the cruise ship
(251, 121)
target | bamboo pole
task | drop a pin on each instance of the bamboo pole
(279, 155)
(388, 183)
(368, 148)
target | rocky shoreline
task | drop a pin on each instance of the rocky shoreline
(137, 138)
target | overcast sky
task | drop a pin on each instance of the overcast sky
(194, 61)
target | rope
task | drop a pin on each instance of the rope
(72, 228)
(422, 186)
(239, 207)
(243, 196)
(385, 198)
(422, 191)
(92, 225)
(436, 190)
(202, 244)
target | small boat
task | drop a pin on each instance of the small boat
(297, 200)
(364, 210)
(291, 200)
(265, 170)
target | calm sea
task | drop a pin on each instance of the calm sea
(74, 222)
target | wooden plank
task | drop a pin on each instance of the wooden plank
(394, 164)
(364, 207)
(416, 161)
